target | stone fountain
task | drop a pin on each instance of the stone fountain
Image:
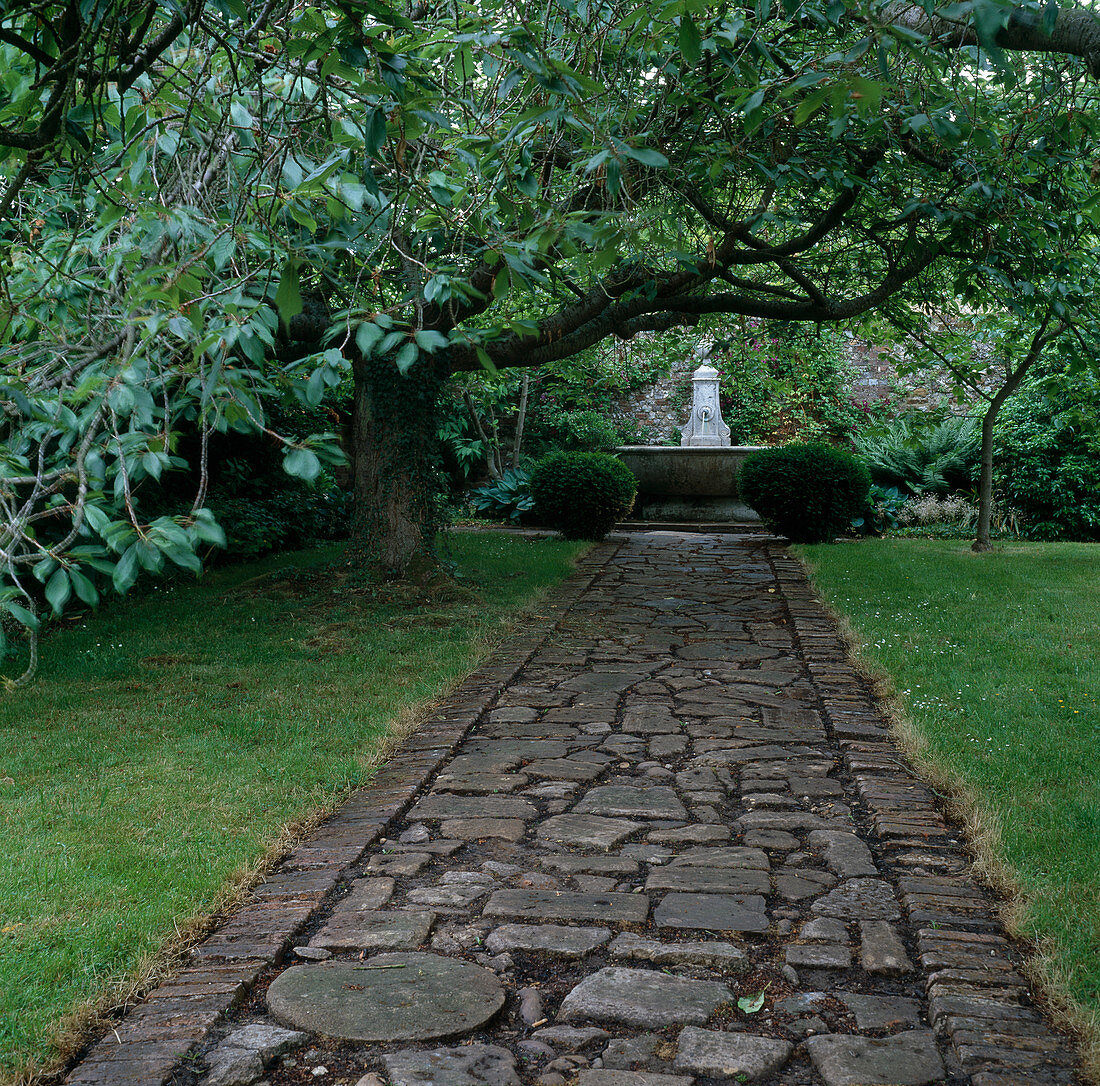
(696, 481)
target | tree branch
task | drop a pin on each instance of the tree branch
(1075, 32)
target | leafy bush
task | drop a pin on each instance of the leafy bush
(292, 515)
(782, 381)
(809, 493)
(882, 511)
(576, 430)
(506, 498)
(1048, 462)
(582, 494)
(919, 456)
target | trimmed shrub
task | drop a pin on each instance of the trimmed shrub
(582, 494)
(809, 493)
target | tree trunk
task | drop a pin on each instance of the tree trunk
(1012, 382)
(394, 440)
(985, 486)
(521, 418)
(1075, 31)
(490, 456)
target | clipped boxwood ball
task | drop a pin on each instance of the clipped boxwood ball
(582, 494)
(809, 493)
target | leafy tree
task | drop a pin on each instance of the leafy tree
(1048, 456)
(1032, 302)
(210, 200)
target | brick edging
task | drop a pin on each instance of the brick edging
(173, 1020)
(977, 996)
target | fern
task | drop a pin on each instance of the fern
(919, 458)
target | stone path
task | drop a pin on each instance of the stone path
(669, 843)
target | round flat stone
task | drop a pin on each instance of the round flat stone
(390, 997)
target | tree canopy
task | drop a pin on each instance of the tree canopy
(206, 200)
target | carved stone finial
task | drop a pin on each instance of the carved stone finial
(705, 426)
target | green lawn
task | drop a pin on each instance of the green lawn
(169, 739)
(996, 661)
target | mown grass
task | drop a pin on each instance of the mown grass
(995, 660)
(170, 740)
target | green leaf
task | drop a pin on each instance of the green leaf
(303, 464)
(85, 590)
(288, 298)
(185, 558)
(367, 336)
(315, 388)
(151, 462)
(691, 45)
(753, 116)
(58, 590)
(810, 105)
(223, 249)
(485, 360)
(208, 529)
(1050, 17)
(77, 133)
(376, 132)
(240, 117)
(430, 341)
(614, 176)
(43, 569)
(150, 556)
(126, 571)
(21, 614)
(647, 156)
(751, 1004)
(406, 357)
(989, 20)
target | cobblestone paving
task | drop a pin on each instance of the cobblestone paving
(677, 847)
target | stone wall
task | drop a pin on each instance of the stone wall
(662, 409)
(875, 377)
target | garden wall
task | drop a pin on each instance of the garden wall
(662, 409)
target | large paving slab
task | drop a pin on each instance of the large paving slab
(739, 1056)
(907, 1059)
(470, 1065)
(663, 837)
(712, 912)
(643, 997)
(587, 831)
(563, 905)
(374, 930)
(627, 801)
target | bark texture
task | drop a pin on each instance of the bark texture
(1013, 378)
(393, 467)
(1075, 32)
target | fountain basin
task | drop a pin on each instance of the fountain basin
(684, 482)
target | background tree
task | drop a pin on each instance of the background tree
(1026, 298)
(207, 203)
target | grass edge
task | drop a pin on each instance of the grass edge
(981, 830)
(85, 1022)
